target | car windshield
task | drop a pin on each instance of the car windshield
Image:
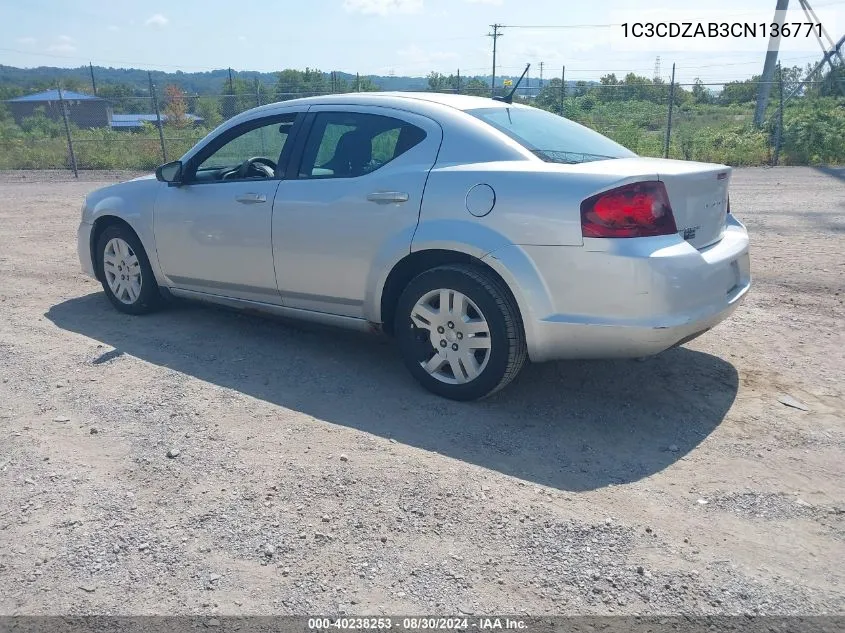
(551, 137)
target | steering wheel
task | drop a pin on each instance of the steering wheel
(259, 165)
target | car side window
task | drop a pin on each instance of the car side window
(352, 144)
(252, 153)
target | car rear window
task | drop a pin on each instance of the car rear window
(552, 138)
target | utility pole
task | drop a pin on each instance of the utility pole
(357, 82)
(541, 75)
(834, 48)
(459, 81)
(811, 16)
(825, 60)
(770, 64)
(495, 35)
(93, 81)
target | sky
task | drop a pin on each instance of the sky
(404, 37)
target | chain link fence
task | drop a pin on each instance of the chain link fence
(63, 129)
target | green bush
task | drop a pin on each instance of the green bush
(737, 146)
(814, 133)
(39, 126)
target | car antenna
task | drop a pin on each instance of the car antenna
(509, 97)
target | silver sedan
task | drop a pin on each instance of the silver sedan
(477, 233)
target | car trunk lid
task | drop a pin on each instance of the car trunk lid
(698, 192)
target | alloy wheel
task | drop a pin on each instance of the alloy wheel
(122, 271)
(458, 333)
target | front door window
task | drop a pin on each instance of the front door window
(251, 154)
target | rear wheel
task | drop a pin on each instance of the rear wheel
(460, 332)
(125, 271)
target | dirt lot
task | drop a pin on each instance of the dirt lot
(314, 475)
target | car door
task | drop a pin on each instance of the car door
(213, 231)
(354, 192)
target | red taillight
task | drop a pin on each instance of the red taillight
(638, 210)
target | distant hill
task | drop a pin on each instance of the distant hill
(17, 81)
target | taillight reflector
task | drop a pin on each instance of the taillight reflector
(637, 210)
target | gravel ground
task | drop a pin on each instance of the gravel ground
(199, 461)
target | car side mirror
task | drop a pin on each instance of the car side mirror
(171, 173)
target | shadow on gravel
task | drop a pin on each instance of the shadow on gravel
(570, 425)
(834, 172)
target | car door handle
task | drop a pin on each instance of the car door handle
(386, 197)
(251, 198)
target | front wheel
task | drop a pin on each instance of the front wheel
(459, 332)
(125, 271)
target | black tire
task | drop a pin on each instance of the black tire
(507, 352)
(149, 298)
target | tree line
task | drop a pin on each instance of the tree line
(713, 125)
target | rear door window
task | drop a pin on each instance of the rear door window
(353, 144)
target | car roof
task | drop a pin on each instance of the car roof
(457, 101)
(404, 100)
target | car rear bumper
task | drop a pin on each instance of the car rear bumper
(559, 339)
(83, 248)
(632, 298)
